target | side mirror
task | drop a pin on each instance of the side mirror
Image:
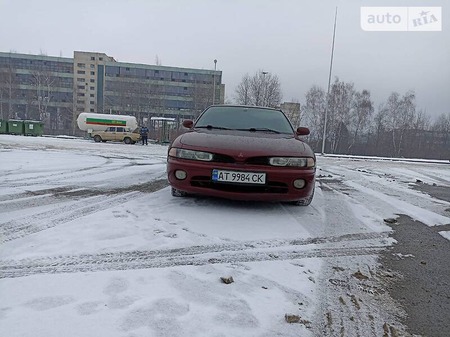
(187, 123)
(302, 131)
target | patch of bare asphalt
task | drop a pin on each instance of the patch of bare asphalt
(436, 191)
(417, 275)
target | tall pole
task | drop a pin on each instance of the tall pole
(214, 82)
(329, 83)
(264, 88)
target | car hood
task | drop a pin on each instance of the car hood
(244, 143)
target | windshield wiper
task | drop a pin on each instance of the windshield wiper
(259, 129)
(210, 127)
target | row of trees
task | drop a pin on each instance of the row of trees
(353, 124)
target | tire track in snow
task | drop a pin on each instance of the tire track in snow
(16, 229)
(13, 180)
(52, 177)
(112, 164)
(254, 251)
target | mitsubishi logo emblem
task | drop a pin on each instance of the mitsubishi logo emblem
(240, 155)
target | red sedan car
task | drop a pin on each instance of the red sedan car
(242, 153)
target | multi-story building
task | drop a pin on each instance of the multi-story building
(56, 89)
(37, 87)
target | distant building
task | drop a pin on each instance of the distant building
(56, 89)
(292, 111)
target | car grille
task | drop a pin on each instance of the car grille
(271, 187)
(221, 158)
(257, 161)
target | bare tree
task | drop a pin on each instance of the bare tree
(243, 91)
(417, 141)
(262, 89)
(314, 112)
(43, 84)
(379, 125)
(401, 112)
(8, 91)
(340, 102)
(362, 110)
(272, 90)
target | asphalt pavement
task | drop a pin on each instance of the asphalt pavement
(417, 271)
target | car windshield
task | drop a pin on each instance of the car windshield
(244, 118)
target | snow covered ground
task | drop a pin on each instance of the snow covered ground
(93, 244)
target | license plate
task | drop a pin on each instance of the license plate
(239, 177)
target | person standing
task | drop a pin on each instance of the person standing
(144, 135)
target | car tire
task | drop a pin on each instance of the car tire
(304, 201)
(97, 139)
(178, 193)
(127, 140)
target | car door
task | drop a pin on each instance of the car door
(111, 133)
(120, 135)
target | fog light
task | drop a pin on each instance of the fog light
(299, 183)
(180, 174)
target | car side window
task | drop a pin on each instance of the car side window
(111, 129)
(120, 129)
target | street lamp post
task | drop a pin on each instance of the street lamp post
(264, 88)
(214, 82)
(329, 82)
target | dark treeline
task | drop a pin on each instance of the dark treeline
(395, 129)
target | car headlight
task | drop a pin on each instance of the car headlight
(292, 161)
(190, 154)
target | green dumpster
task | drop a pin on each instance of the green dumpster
(3, 126)
(15, 127)
(33, 128)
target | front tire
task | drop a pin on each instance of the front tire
(305, 201)
(97, 139)
(127, 140)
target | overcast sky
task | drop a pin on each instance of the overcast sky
(288, 38)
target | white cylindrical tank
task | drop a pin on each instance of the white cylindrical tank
(97, 122)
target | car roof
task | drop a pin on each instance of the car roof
(242, 106)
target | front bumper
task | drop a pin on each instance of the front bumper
(279, 181)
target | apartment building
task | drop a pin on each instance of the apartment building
(56, 89)
(37, 87)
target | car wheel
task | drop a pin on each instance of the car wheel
(178, 193)
(97, 139)
(304, 201)
(127, 140)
